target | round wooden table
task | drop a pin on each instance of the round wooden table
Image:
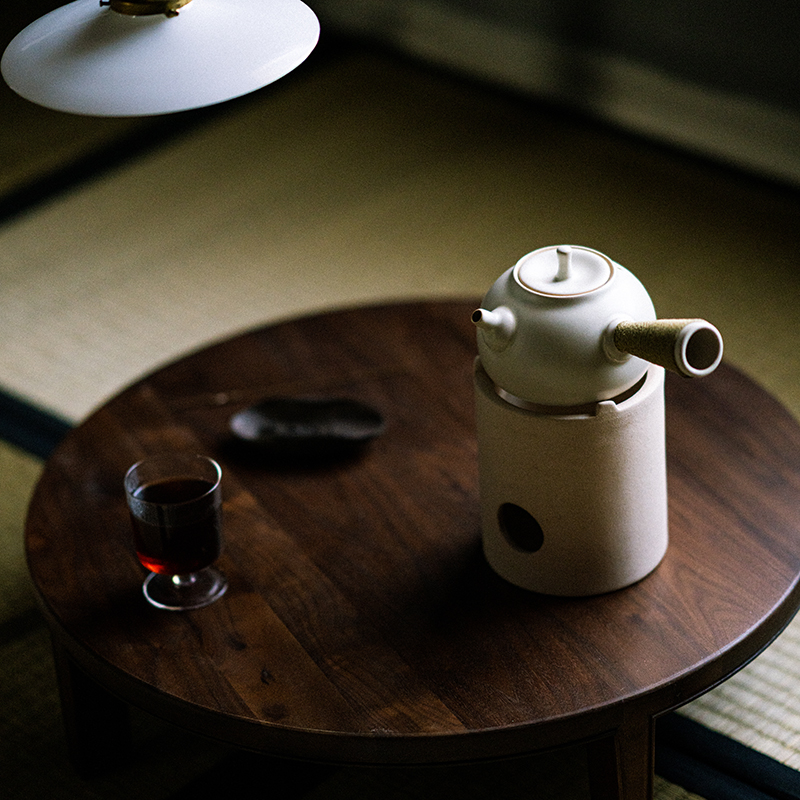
(362, 624)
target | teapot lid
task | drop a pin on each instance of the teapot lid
(563, 271)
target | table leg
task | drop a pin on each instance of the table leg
(621, 765)
(96, 723)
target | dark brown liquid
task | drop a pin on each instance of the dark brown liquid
(177, 549)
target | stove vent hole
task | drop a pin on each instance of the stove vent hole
(520, 528)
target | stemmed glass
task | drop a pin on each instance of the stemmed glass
(175, 503)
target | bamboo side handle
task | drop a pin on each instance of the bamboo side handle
(690, 347)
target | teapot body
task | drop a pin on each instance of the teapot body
(556, 354)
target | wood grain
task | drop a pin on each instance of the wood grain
(362, 623)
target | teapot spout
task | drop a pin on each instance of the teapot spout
(498, 325)
(690, 347)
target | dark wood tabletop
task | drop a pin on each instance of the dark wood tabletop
(362, 623)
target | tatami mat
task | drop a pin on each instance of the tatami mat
(365, 180)
(369, 179)
(19, 472)
(760, 706)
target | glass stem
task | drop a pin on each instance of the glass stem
(183, 581)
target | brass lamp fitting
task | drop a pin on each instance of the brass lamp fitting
(142, 8)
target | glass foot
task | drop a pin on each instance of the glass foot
(185, 592)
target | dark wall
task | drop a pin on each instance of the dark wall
(718, 77)
(738, 46)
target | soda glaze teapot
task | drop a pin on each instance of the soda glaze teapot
(567, 326)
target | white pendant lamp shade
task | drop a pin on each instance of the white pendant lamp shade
(87, 59)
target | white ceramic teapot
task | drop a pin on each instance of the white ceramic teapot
(568, 326)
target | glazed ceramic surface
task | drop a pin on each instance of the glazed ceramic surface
(545, 325)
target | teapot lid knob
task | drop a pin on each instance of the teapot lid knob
(564, 252)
